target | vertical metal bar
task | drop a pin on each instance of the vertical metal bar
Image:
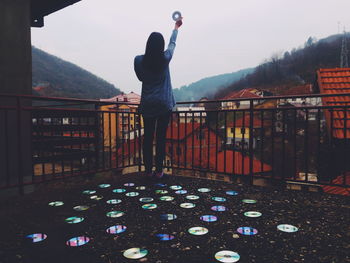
(318, 119)
(295, 154)
(251, 134)
(71, 144)
(178, 149)
(80, 146)
(87, 132)
(225, 141)
(139, 140)
(262, 135)
(243, 130)
(192, 140)
(172, 140)
(344, 146)
(53, 154)
(19, 145)
(306, 145)
(216, 140)
(273, 128)
(283, 144)
(234, 143)
(185, 142)
(7, 170)
(97, 135)
(110, 138)
(135, 137)
(103, 122)
(117, 138)
(200, 140)
(62, 147)
(123, 142)
(129, 141)
(208, 144)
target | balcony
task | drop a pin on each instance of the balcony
(72, 146)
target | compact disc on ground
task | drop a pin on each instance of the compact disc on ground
(81, 208)
(165, 237)
(129, 184)
(146, 199)
(74, 220)
(252, 214)
(187, 205)
(56, 203)
(219, 199)
(166, 198)
(181, 192)
(114, 201)
(218, 208)
(115, 214)
(117, 229)
(175, 187)
(209, 218)
(132, 194)
(149, 206)
(204, 190)
(135, 253)
(141, 188)
(231, 192)
(119, 190)
(168, 217)
(104, 185)
(38, 237)
(287, 228)
(249, 201)
(192, 197)
(96, 197)
(161, 192)
(227, 256)
(89, 192)
(77, 241)
(160, 185)
(248, 231)
(198, 231)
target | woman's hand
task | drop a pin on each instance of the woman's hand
(178, 23)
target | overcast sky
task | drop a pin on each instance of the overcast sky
(104, 36)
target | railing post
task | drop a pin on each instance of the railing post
(97, 137)
(19, 145)
(251, 134)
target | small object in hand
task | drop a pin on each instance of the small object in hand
(177, 16)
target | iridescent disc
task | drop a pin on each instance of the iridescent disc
(249, 201)
(141, 188)
(132, 194)
(227, 256)
(115, 214)
(209, 218)
(129, 184)
(77, 241)
(74, 220)
(192, 197)
(160, 185)
(149, 206)
(117, 229)
(135, 253)
(175, 187)
(89, 192)
(181, 192)
(161, 192)
(104, 185)
(114, 201)
(218, 208)
(38, 237)
(165, 237)
(96, 197)
(166, 198)
(252, 214)
(204, 190)
(119, 190)
(287, 228)
(187, 205)
(248, 231)
(198, 231)
(168, 217)
(146, 199)
(56, 203)
(231, 193)
(81, 208)
(219, 199)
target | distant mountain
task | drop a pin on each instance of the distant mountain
(55, 77)
(207, 87)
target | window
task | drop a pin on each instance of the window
(232, 130)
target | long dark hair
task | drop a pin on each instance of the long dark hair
(153, 59)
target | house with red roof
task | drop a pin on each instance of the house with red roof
(241, 94)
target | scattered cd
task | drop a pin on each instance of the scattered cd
(231, 193)
(192, 197)
(89, 192)
(252, 214)
(209, 218)
(218, 208)
(161, 192)
(115, 214)
(198, 231)
(77, 241)
(175, 187)
(149, 206)
(248, 231)
(204, 190)
(168, 217)
(165, 237)
(187, 205)
(287, 228)
(132, 194)
(181, 192)
(96, 197)
(74, 220)
(249, 201)
(219, 199)
(118, 191)
(227, 256)
(56, 203)
(116, 229)
(146, 199)
(114, 201)
(81, 208)
(166, 198)
(141, 188)
(104, 185)
(38, 237)
(129, 184)
(160, 185)
(135, 253)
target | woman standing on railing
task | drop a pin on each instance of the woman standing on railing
(157, 100)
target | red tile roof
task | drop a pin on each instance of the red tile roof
(244, 93)
(245, 122)
(179, 131)
(299, 90)
(335, 81)
(337, 189)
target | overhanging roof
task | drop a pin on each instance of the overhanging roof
(41, 8)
